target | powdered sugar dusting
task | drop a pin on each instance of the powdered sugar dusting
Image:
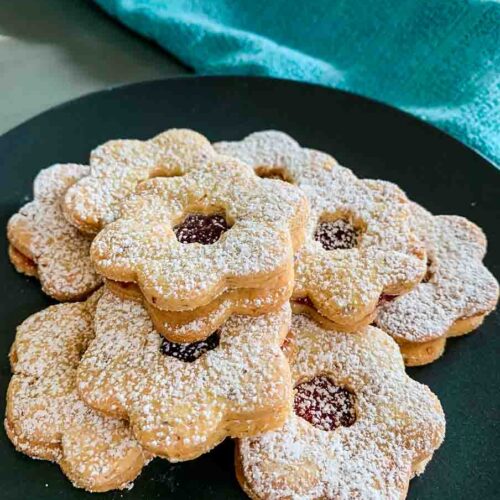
(40, 232)
(323, 404)
(45, 416)
(118, 166)
(190, 352)
(379, 209)
(399, 424)
(459, 285)
(267, 223)
(179, 410)
(178, 327)
(337, 234)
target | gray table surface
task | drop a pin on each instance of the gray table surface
(55, 50)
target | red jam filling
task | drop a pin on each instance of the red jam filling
(337, 234)
(199, 228)
(305, 301)
(189, 352)
(324, 404)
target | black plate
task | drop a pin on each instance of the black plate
(374, 140)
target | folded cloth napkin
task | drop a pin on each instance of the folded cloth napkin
(437, 59)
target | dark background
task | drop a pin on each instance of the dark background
(374, 140)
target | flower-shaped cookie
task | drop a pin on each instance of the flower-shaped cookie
(44, 244)
(219, 228)
(183, 399)
(196, 324)
(456, 295)
(45, 417)
(359, 244)
(361, 428)
(118, 166)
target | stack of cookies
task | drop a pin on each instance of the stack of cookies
(254, 290)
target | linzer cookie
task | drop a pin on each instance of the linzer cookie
(43, 244)
(184, 399)
(191, 325)
(359, 245)
(455, 296)
(198, 248)
(118, 166)
(361, 428)
(45, 417)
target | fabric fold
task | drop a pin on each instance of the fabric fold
(436, 60)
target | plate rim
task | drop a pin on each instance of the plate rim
(229, 78)
(394, 113)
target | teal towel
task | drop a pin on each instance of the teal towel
(437, 59)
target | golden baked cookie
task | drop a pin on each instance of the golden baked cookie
(361, 428)
(218, 233)
(195, 324)
(45, 417)
(21, 263)
(118, 166)
(455, 296)
(359, 244)
(184, 399)
(45, 245)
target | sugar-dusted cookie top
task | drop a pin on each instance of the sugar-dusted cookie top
(359, 243)
(198, 324)
(45, 417)
(457, 285)
(361, 428)
(183, 399)
(185, 240)
(45, 244)
(118, 166)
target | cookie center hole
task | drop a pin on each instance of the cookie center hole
(189, 352)
(274, 173)
(324, 404)
(339, 234)
(200, 228)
